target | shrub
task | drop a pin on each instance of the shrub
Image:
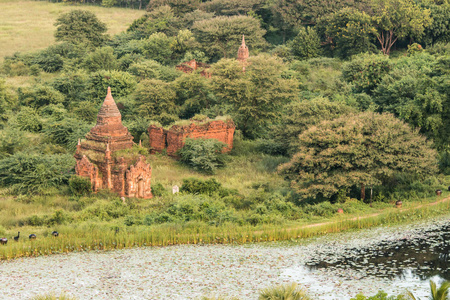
(48, 61)
(158, 190)
(28, 120)
(203, 155)
(39, 95)
(281, 292)
(79, 186)
(66, 132)
(146, 69)
(444, 162)
(12, 141)
(52, 296)
(37, 173)
(379, 296)
(104, 210)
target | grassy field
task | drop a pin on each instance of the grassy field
(28, 25)
(89, 237)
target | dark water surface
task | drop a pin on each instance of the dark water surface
(424, 256)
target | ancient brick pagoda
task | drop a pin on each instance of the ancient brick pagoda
(108, 159)
(174, 138)
(193, 65)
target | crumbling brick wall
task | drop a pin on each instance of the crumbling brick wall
(174, 138)
(157, 139)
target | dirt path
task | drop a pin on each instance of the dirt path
(365, 216)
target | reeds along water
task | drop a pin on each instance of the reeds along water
(99, 239)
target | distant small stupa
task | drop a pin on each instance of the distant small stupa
(243, 53)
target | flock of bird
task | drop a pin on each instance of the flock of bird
(4, 241)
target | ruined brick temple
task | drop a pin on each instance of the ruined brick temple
(174, 138)
(107, 156)
(193, 65)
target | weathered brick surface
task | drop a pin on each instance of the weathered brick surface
(174, 138)
(192, 65)
(96, 159)
(157, 139)
(138, 180)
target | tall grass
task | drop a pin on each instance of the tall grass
(28, 25)
(100, 238)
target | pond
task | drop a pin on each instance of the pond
(425, 257)
(407, 261)
(335, 266)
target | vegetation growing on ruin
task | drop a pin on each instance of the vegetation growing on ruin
(368, 73)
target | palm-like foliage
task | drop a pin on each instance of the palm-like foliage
(283, 292)
(441, 293)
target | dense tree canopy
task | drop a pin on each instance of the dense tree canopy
(257, 94)
(221, 36)
(80, 26)
(361, 149)
(396, 19)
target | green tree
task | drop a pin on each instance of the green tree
(122, 84)
(183, 42)
(222, 36)
(233, 7)
(161, 19)
(439, 29)
(397, 19)
(348, 32)
(192, 93)
(157, 47)
(361, 149)
(417, 92)
(8, 98)
(101, 59)
(155, 99)
(365, 71)
(27, 119)
(308, 12)
(306, 44)
(80, 26)
(39, 96)
(35, 173)
(179, 7)
(298, 116)
(257, 94)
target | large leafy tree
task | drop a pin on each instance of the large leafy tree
(348, 32)
(221, 36)
(397, 19)
(306, 44)
(297, 116)
(308, 12)
(361, 149)
(256, 95)
(80, 26)
(155, 99)
(416, 90)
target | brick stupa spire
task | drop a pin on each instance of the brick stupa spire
(243, 53)
(109, 126)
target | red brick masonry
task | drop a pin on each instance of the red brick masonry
(98, 160)
(173, 138)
